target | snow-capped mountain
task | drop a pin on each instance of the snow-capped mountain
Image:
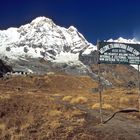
(41, 38)
(42, 45)
(123, 40)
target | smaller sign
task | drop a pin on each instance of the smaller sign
(119, 53)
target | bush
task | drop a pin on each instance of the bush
(67, 98)
(79, 100)
(104, 106)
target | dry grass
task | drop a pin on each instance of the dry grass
(79, 100)
(30, 92)
(55, 124)
(2, 126)
(76, 112)
(17, 136)
(67, 98)
(4, 96)
(107, 97)
(104, 106)
(2, 129)
(131, 102)
(57, 94)
(55, 113)
(81, 121)
(124, 100)
(27, 123)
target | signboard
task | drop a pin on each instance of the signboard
(119, 53)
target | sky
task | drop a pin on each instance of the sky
(95, 19)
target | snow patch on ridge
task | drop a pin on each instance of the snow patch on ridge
(66, 57)
(89, 49)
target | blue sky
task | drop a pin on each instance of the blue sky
(95, 19)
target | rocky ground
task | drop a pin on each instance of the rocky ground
(64, 107)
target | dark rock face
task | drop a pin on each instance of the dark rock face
(110, 74)
(89, 59)
(117, 74)
(4, 68)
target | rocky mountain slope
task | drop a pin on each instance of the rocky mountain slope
(43, 39)
(42, 46)
(4, 68)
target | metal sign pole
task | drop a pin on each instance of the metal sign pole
(100, 94)
(138, 89)
(100, 86)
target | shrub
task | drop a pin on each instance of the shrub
(104, 106)
(79, 100)
(124, 100)
(55, 124)
(67, 98)
(55, 113)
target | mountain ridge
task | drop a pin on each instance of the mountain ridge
(61, 49)
(40, 38)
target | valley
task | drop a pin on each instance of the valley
(60, 106)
